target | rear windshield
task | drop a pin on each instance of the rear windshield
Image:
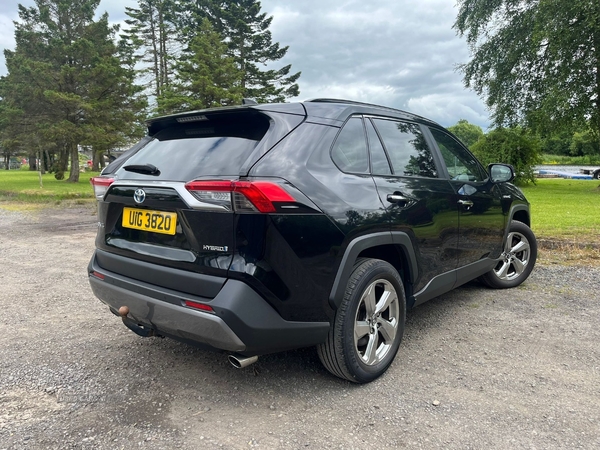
(183, 152)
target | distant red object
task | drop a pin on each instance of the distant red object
(90, 163)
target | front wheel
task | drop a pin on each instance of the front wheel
(368, 325)
(517, 260)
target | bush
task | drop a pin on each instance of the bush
(510, 146)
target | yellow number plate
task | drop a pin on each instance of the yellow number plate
(148, 220)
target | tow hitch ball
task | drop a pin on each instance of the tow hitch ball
(133, 325)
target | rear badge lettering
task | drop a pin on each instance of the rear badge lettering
(214, 248)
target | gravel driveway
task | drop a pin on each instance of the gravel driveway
(478, 368)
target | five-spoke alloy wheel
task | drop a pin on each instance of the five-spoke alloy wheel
(517, 259)
(369, 324)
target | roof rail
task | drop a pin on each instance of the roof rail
(352, 102)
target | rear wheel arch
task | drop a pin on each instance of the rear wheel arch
(395, 248)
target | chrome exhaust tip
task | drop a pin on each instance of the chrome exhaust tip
(239, 361)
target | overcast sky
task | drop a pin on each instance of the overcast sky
(398, 53)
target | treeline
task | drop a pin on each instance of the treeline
(75, 82)
(523, 148)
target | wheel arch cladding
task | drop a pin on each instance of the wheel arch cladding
(395, 248)
(520, 213)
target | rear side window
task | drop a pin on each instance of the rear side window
(183, 152)
(349, 152)
(406, 146)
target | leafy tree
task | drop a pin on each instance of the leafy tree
(512, 146)
(558, 143)
(536, 62)
(467, 132)
(205, 76)
(66, 84)
(584, 143)
(246, 31)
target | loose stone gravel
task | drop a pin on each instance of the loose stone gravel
(477, 369)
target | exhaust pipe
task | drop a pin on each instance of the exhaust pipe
(239, 361)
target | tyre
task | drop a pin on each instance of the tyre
(517, 260)
(369, 324)
(596, 175)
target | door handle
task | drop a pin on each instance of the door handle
(396, 198)
(468, 204)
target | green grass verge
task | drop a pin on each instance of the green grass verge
(23, 186)
(565, 209)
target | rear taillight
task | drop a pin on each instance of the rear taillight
(258, 196)
(101, 185)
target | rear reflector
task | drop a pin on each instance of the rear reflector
(200, 306)
(261, 194)
(97, 275)
(101, 185)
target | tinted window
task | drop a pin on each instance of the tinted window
(461, 164)
(183, 152)
(407, 148)
(350, 149)
(117, 163)
(379, 162)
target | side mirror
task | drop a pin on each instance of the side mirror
(501, 173)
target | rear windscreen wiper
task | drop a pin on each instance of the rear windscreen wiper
(146, 169)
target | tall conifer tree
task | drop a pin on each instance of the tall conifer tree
(66, 84)
(205, 76)
(246, 31)
(152, 29)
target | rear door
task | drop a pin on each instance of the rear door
(418, 202)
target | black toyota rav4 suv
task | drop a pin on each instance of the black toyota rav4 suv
(261, 228)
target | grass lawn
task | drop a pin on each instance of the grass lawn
(20, 189)
(565, 209)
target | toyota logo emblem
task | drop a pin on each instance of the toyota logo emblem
(139, 196)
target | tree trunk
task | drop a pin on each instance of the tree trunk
(32, 161)
(74, 175)
(97, 160)
(47, 161)
(63, 160)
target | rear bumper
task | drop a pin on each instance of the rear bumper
(242, 320)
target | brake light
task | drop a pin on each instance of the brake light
(101, 185)
(248, 195)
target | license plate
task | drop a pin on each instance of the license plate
(148, 220)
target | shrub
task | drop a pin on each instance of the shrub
(510, 146)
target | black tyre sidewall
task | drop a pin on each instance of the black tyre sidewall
(376, 269)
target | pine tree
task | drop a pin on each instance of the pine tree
(205, 76)
(66, 85)
(246, 31)
(152, 29)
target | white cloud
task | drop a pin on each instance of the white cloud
(398, 53)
